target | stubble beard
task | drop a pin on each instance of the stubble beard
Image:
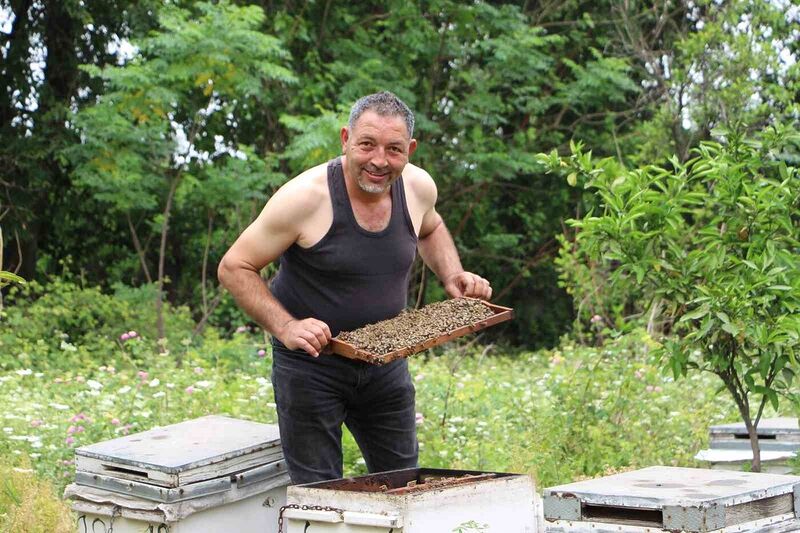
(373, 188)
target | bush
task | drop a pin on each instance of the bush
(63, 325)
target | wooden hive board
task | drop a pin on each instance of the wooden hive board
(501, 314)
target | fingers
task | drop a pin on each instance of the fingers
(309, 335)
(469, 285)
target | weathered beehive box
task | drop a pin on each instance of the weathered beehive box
(675, 499)
(209, 475)
(729, 448)
(417, 500)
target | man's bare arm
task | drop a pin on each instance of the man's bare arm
(274, 230)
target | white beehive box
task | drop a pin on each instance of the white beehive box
(212, 475)
(660, 499)
(440, 501)
(729, 449)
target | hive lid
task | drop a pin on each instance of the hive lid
(688, 499)
(768, 426)
(196, 450)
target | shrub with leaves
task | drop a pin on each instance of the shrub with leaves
(712, 244)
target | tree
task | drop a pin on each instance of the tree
(714, 244)
(163, 134)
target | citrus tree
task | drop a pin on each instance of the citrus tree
(714, 245)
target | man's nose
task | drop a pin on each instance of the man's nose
(379, 157)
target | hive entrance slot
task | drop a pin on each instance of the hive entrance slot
(128, 471)
(760, 437)
(622, 515)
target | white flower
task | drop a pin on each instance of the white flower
(159, 394)
(155, 383)
(59, 406)
(24, 372)
(203, 384)
(67, 347)
(124, 390)
(170, 385)
(94, 385)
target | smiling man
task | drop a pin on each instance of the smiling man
(346, 234)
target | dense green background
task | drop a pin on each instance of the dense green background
(94, 180)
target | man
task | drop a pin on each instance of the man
(346, 234)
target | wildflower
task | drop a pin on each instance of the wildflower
(657, 389)
(189, 390)
(419, 419)
(159, 394)
(596, 318)
(69, 441)
(199, 370)
(94, 385)
(24, 372)
(419, 377)
(36, 423)
(649, 388)
(142, 375)
(115, 421)
(59, 406)
(638, 374)
(124, 337)
(262, 353)
(124, 390)
(241, 329)
(155, 383)
(132, 334)
(203, 384)
(80, 379)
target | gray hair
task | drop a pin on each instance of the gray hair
(385, 104)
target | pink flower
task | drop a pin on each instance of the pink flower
(241, 329)
(69, 441)
(126, 429)
(657, 388)
(262, 353)
(419, 418)
(189, 390)
(124, 337)
(115, 421)
(142, 375)
(78, 417)
(67, 462)
(199, 370)
(132, 334)
(596, 318)
(80, 379)
(638, 375)
(71, 430)
(649, 388)
(36, 423)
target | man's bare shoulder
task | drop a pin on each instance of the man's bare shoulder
(420, 184)
(303, 194)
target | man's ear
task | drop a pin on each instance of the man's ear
(344, 135)
(412, 147)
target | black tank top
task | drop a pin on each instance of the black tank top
(352, 276)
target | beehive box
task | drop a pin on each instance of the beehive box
(416, 500)
(209, 475)
(660, 499)
(778, 439)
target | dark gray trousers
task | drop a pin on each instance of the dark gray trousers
(315, 396)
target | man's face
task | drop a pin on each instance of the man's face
(377, 150)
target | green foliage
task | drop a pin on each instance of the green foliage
(62, 325)
(30, 504)
(714, 243)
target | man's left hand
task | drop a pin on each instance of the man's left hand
(468, 284)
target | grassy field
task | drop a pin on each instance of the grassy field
(559, 414)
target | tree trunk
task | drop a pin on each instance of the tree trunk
(162, 253)
(752, 432)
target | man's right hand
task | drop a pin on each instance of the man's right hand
(308, 334)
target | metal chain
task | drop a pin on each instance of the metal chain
(305, 508)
